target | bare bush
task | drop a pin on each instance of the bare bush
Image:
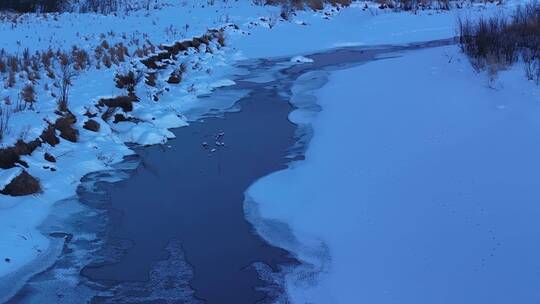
(11, 80)
(286, 12)
(34, 62)
(26, 57)
(80, 58)
(220, 35)
(46, 58)
(414, 5)
(91, 125)
(100, 6)
(301, 4)
(118, 53)
(500, 41)
(99, 51)
(27, 6)
(50, 74)
(64, 84)
(13, 63)
(107, 61)
(128, 81)
(123, 102)
(28, 94)
(5, 115)
(3, 65)
(315, 4)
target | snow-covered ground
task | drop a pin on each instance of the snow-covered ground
(420, 185)
(20, 242)
(260, 34)
(357, 26)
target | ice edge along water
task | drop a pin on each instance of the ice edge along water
(411, 194)
(279, 232)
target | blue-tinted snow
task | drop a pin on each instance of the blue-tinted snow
(420, 185)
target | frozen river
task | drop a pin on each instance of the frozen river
(169, 226)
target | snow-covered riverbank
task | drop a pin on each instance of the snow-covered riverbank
(260, 33)
(420, 185)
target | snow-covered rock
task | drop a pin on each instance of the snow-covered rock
(7, 175)
(301, 59)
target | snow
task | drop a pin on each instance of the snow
(21, 242)
(356, 26)
(417, 187)
(222, 83)
(142, 133)
(171, 21)
(257, 37)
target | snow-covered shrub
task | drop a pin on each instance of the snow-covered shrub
(49, 157)
(91, 125)
(220, 35)
(286, 12)
(175, 77)
(151, 79)
(49, 136)
(123, 102)
(11, 156)
(128, 80)
(23, 184)
(315, 4)
(65, 125)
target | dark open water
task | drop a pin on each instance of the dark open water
(190, 194)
